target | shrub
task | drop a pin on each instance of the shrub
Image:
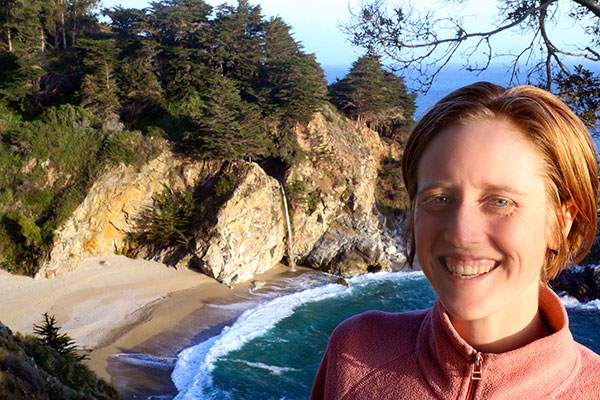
(168, 223)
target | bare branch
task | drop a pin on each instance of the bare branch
(422, 44)
(591, 5)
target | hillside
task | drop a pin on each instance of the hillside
(32, 371)
(180, 81)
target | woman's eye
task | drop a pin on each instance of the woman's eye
(436, 202)
(440, 200)
(500, 202)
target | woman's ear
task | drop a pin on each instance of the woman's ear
(565, 216)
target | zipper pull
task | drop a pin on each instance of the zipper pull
(476, 367)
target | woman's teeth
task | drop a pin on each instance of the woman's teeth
(468, 269)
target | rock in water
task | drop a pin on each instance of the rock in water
(581, 282)
(343, 282)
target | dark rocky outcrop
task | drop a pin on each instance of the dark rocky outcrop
(583, 283)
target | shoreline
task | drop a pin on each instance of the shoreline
(113, 304)
(132, 317)
(183, 319)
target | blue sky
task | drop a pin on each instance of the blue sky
(315, 23)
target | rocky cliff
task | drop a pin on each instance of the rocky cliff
(336, 226)
(113, 206)
(335, 219)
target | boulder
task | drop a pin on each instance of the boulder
(581, 282)
(248, 236)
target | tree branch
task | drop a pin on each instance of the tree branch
(591, 5)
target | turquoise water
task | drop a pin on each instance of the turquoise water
(273, 351)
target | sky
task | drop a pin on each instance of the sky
(315, 23)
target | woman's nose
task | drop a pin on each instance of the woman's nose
(464, 225)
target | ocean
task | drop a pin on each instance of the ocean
(273, 350)
(272, 344)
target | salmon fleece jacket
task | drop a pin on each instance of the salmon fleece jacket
(418, 355)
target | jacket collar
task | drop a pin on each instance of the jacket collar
(545, 366)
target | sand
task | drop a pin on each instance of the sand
(113, 304)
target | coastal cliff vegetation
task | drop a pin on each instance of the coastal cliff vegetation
(79, 94)
(32, 369)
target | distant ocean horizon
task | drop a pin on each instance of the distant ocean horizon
(450, 78)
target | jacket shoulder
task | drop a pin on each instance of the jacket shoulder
(378, 335)
(584, 385)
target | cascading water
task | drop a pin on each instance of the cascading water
(290, 242)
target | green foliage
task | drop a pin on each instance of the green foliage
(49, 334)
(34, 371)
(99, 86)
(296, 191)
(169, 220)
(175, 214)
(226, 184)
(376, 96)
(230, 128)
(31, 232)
(390, 193)
(313, 199)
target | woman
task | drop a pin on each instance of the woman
(503, 188)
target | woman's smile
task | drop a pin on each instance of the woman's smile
(467, 267)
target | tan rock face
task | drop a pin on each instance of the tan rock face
(334, 219)
(100, 224)
(249, 235)
(338, 212)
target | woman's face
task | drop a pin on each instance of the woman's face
(481, 220)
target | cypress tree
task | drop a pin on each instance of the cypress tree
(292, 83)
(230, 128)
(99, 87)
(375, 96)
(236, 51)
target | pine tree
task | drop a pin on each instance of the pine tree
(230, 127)
(292, 83)
(178, 21)
(49, 334)
(235, 53)
(21, 65)
(127, 22)
(80, 17)
(140, 91)
(373, 95)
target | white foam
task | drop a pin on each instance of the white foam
(271, 368)
(146, 360)
(572, 302)
(193, 371)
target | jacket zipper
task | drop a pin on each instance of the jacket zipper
(476, 368)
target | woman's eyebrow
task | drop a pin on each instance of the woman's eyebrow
(504, 189)
(436, 185)
(491, 187)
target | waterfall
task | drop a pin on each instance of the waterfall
(290, 241)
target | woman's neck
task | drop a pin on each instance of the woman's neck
(506, 330)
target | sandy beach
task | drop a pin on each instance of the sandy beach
(114, 304)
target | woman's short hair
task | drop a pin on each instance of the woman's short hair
(557, 134)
